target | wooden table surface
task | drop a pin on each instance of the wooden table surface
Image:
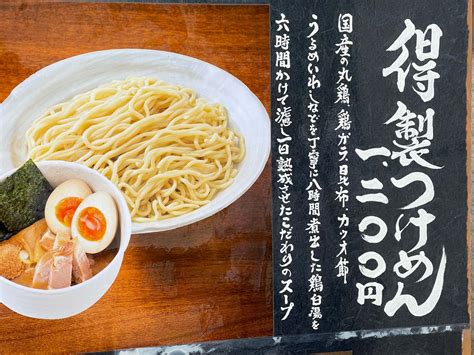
(207, 281)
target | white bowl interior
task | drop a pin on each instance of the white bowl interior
(64, 79)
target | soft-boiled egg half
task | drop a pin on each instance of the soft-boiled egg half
(62, 204)
(95, 222)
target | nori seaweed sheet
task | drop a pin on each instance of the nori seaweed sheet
(4, 234)
(23, 196)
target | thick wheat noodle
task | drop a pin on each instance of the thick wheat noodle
(168, 151)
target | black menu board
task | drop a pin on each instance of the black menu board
(369, 164)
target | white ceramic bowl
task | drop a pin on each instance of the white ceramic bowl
(66, 302)
(62, 80)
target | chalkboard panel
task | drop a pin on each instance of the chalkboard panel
(369, 164)
(448, 342)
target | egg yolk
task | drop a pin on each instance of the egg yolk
(91, 224)
(66, 208)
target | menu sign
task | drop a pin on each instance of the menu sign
(369, 165)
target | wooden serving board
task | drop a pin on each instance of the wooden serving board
(207, 281)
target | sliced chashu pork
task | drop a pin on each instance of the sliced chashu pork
(54, 269)
(62, 259)
(61, 268)
(47, 240)
(81, 267)
(43, 271)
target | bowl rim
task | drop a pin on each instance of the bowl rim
(121, 207)
(193, 216)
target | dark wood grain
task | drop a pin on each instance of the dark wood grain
(208, 281)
